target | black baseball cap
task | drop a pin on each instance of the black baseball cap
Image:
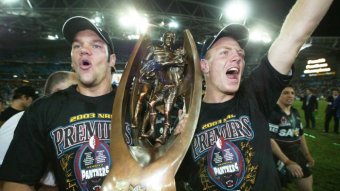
(237, 31)
(78, 23)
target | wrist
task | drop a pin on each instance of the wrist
(288, 162)
(308, 155)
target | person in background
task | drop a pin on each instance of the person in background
(56, 81)
(231, 148)
(337, 109)
(310, 106)
(291, 153)
(331, 112)
(22, 97)
(59, 80)
(56, 130)
(2, 104)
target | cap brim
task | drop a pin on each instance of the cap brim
(78, 23)
(237, 31)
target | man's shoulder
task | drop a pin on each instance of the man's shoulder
(54, 98)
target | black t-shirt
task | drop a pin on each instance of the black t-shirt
(69, 130)
(285, 129)
(231, 146)
(8, 113)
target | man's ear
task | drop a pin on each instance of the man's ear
(72, 66)
(204, 66)
(112, 60)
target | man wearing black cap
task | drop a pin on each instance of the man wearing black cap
(231, 146)
(22, 97)
(71, 128)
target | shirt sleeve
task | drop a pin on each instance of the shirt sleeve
(266, 84)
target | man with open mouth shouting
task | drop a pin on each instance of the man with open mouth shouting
(69, 129)
(231, 146)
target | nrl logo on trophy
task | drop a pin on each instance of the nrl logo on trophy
(159, 82)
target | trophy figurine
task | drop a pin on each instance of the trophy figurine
(157, 82)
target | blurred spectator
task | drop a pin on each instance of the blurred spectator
(22, 98)
(2, 104)
(310, 106)
(337, 110)
(331, 112)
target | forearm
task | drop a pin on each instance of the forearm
(303, 18)
(10, 186)
(292, 166)
(298, 26)
(278, 152)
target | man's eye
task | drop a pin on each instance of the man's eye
(225, 52)
(75, 46)
(96, 46)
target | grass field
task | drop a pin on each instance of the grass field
(325, 149)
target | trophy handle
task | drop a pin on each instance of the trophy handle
(129, 171)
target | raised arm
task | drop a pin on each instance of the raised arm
(298, 26)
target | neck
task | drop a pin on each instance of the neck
(285, 108)
(217, 97)
(94, 91)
